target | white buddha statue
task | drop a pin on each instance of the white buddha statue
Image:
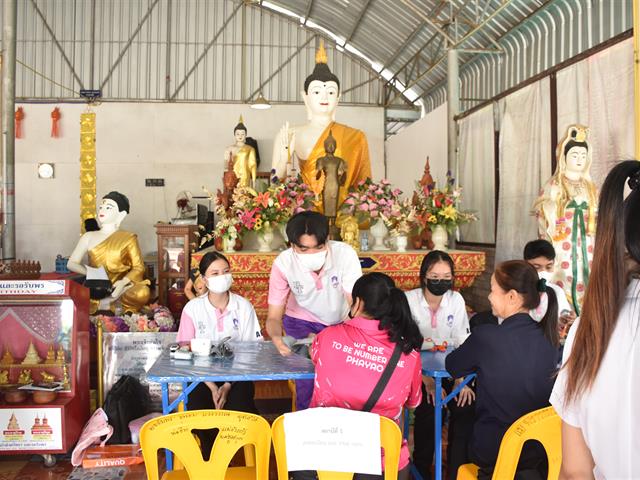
(117, 252)
(243, 156)
(296, 148)
(566, 211)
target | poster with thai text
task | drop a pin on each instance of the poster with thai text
(30, 429)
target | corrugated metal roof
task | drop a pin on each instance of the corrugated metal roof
(394, 32)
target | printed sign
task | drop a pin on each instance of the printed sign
(317, 438)
(30, 429)
(134, 354)
(32, 287)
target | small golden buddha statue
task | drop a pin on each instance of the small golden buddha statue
(4, 377)
(60, 356)
(349, 232)
(65, 377)
(7, 358)
(25, 377)
(51, 355)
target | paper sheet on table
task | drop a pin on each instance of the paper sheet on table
(333, 439)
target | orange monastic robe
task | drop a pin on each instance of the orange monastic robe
(351, 146)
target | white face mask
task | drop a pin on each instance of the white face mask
(313, 261)
(544, 275)
(219, 283)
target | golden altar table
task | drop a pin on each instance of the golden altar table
(251, 270)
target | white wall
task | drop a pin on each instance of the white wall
(407, 151)
(182, 143)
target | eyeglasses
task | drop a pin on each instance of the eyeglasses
(222, 349)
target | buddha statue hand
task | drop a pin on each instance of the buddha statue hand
(283, 150)
(120, 286)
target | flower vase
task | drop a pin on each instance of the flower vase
(265, 237)
(379, 232)
(440, 238)
(401, 243)
(228, 244)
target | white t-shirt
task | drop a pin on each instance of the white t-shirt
(315, 297)
(609, 414)
(452, 322)
(200, 319)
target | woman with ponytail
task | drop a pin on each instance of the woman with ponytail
(601, 362)
(515, 361)
(350, 358)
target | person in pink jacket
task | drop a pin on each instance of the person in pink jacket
(350, 358)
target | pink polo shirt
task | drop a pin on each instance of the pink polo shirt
(350, 359)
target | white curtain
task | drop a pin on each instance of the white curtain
(598, 92)
(525, 163)
(477, 177)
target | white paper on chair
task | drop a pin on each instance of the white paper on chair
(333, 439)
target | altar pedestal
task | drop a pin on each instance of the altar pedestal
(251, 271)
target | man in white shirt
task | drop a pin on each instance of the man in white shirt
(310, 286)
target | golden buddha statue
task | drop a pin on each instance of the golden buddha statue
(349, 232)
(7, 358)
(118, 253)
(567, 210)
(298, 148)
(334, 170)
(25, 377)
(243, 155)
(4, 377)
(51, 355)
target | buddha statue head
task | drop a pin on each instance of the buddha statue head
(321, 88)
(113, 209)
(240, 132)
(575, 159)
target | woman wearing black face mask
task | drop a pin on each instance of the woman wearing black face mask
(441, 316)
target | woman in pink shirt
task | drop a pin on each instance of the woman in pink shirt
(351, 357)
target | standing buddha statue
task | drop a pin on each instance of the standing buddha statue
(243, 156)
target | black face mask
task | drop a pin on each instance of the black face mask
(439, 287)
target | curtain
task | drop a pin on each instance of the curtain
(477, 175)
(525, 164)
(598, 92)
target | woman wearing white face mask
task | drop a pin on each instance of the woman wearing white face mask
(215, 316)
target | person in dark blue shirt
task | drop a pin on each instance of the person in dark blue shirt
(515, 361)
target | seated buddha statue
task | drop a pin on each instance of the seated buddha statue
(243, 155)
(117, 252)
(297, 148)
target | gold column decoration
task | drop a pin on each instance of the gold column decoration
(87, 167)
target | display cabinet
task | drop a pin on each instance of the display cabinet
(44, 341)
(175, 243)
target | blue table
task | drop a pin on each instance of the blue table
(251, 361)
(433, 366)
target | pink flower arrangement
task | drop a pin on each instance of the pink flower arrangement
(370, 201)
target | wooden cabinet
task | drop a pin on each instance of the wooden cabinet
(175, 244)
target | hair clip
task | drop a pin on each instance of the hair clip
(542, 285)
(634, 180)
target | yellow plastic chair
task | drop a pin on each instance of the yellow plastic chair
(390, 440)
(236, 430)
(542, 425)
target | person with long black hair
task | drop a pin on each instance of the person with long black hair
(351, 357)
(602, 353)
(515, 362)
